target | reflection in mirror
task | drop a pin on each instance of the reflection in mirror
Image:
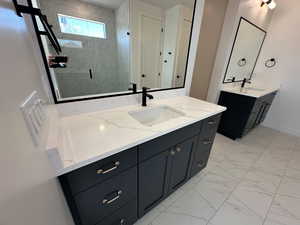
(246, 49)
(112, 43)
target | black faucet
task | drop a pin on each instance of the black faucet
(133, 88)
(245, 81)
(145, 96)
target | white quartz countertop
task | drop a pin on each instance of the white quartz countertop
(249, 91)
(86, 138)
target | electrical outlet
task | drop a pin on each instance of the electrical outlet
(34, 115)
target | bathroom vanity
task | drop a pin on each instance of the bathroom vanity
(246, 109)
(117, 165)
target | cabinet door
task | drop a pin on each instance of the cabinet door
(153, 185)
(180, 163)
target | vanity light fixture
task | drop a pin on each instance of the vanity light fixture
(271, 4)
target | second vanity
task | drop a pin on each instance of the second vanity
(246, 109)
(116, 165)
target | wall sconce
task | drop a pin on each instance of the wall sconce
(271, 3)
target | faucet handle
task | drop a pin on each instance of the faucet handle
(146, 88)
(133, 88)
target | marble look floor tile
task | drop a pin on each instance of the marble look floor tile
(261, 182)
(293, 173)
(177, 219)
(193, 204)
(295, 159)
(172, 198)
(150, 216)
(257, 202)
(235, 212)
(228, 169)
(290, 187)
(284, 211)
(272, 166)
(216, 189)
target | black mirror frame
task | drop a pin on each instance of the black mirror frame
(235, 38)
(57, 101)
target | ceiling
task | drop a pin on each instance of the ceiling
(165, 4)
(112, 4)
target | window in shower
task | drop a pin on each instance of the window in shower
(83, 27)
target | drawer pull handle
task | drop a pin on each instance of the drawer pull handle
(201, 164)
(107, 202)
(211, 123)
(102, 171)
(178, 149)
(172, 152)
(207, 142)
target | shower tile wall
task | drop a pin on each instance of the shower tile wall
(100, 55)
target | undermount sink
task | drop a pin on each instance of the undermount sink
(155, 115)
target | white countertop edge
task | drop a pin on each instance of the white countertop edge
(60, 172)
(264, 93)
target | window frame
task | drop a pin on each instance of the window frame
(59, 15)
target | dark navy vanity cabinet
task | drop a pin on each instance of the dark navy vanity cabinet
(124, 187)
(243, 113)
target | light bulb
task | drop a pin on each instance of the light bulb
(272, 5)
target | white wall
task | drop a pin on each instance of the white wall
(283, 44)
(249, 9)
(29, 193)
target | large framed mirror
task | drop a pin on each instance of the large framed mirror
(110, 44)
(245, 51)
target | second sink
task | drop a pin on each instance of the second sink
(155, 115)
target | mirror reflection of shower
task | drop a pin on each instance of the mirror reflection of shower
(110, 44)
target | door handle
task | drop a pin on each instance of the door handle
(91, 74)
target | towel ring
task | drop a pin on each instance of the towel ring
(270, 63)
(242, 62)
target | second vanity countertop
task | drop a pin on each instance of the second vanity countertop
(248, 91)
(79, 140)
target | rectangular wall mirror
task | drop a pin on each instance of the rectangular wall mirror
(245, 51)
(113, 43)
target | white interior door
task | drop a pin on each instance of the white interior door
(151, 35)
(182, 53)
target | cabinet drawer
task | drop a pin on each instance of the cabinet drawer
(209, 127)
(200, 161)
(104, 199)
(90, 175)
(161, 144)
(127, 215)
